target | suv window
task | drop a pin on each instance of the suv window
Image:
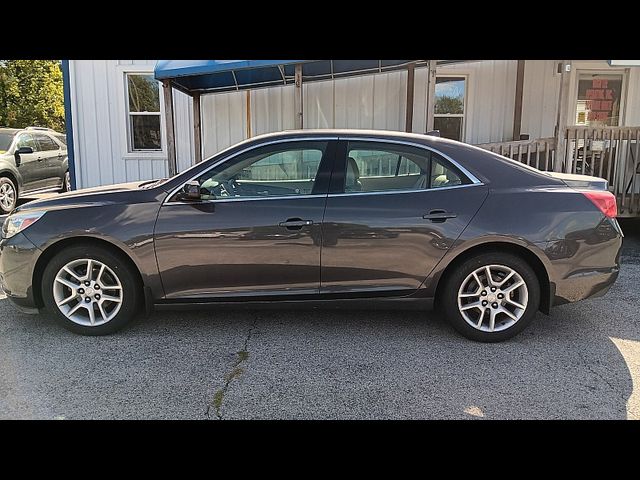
(61, 138)
(46, 142)
(26, 140)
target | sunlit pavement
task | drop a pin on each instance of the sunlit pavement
(581, 362)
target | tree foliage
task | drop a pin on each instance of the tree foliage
(31, 94)
(447, 104)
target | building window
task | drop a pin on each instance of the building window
(450, 107)
(143, 113)
(599, 97)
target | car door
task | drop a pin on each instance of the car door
(50, 162)
(256, 229)
(392, 213)
(27, 163)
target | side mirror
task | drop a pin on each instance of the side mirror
(190, 191)
(24, 150)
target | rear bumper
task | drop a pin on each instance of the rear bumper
(583, 285)
(18, 257)
(586, 265)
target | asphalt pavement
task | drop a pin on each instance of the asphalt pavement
(580, 363)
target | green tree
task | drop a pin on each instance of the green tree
(31, 94)
(447, 104)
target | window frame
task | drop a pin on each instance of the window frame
(463, 115)
(123, 118)
(623, 92)
(323, 175)
(129, 114)
(338, 175)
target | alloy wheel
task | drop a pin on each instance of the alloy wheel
(493, 298)
(88, 292)
(7, 196)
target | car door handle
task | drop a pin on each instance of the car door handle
(295, 223)
(39, 159)
(439, 216)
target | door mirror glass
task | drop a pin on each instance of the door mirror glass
(190, 192)
(24, 150)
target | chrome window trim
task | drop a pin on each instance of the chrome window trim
(475, 181)
(244, 150)
(390, 192)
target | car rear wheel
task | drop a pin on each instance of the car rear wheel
(8, 195)
(90, 290)
(491, 297)
(66, 183)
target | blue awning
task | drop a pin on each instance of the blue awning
(209, 76)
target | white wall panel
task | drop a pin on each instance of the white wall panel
(224, 121)
(99, 125)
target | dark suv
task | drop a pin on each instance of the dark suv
(32, 160)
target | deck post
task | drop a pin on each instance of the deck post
(170, 127)
(517, 109)
(197, 131)
(564, 69)
(298, 98)
(431, 92)
(411, 75)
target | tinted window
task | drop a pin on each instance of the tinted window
(46, 143)
(5, 141)
(62, 139)
(26, 140)
(376, 167)
(281, 170)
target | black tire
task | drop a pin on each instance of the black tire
(131, 291)
(453, 282)
(7, 181)
(66, 182)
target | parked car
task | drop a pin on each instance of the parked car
(32, 160)
(326, 217)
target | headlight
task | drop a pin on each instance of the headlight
(19, 221)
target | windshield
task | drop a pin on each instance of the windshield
(5, 141)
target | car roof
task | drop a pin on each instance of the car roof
(10, 131)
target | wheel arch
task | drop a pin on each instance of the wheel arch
(526, 253)
(13, 176)
(60, 245)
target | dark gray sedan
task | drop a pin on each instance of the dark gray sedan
(333, 217)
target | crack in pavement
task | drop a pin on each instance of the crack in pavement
(235, 372)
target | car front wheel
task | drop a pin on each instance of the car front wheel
(491, 297)
(90, 290)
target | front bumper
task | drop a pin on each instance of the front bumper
(18, 257)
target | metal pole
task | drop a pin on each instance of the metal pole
(298, 99)
(517, 108)
(168, 115)
(563, 113)
(431, 93)
(197, 131)
(411, 74)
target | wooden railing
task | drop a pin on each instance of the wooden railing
(538, 153)
(611, 153)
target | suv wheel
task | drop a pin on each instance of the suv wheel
(8, 195)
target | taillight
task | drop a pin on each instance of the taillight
(605, 201)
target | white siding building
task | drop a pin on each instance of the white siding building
(110, 143)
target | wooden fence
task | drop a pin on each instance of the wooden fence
(538, 153)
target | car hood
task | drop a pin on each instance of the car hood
(96, 196)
